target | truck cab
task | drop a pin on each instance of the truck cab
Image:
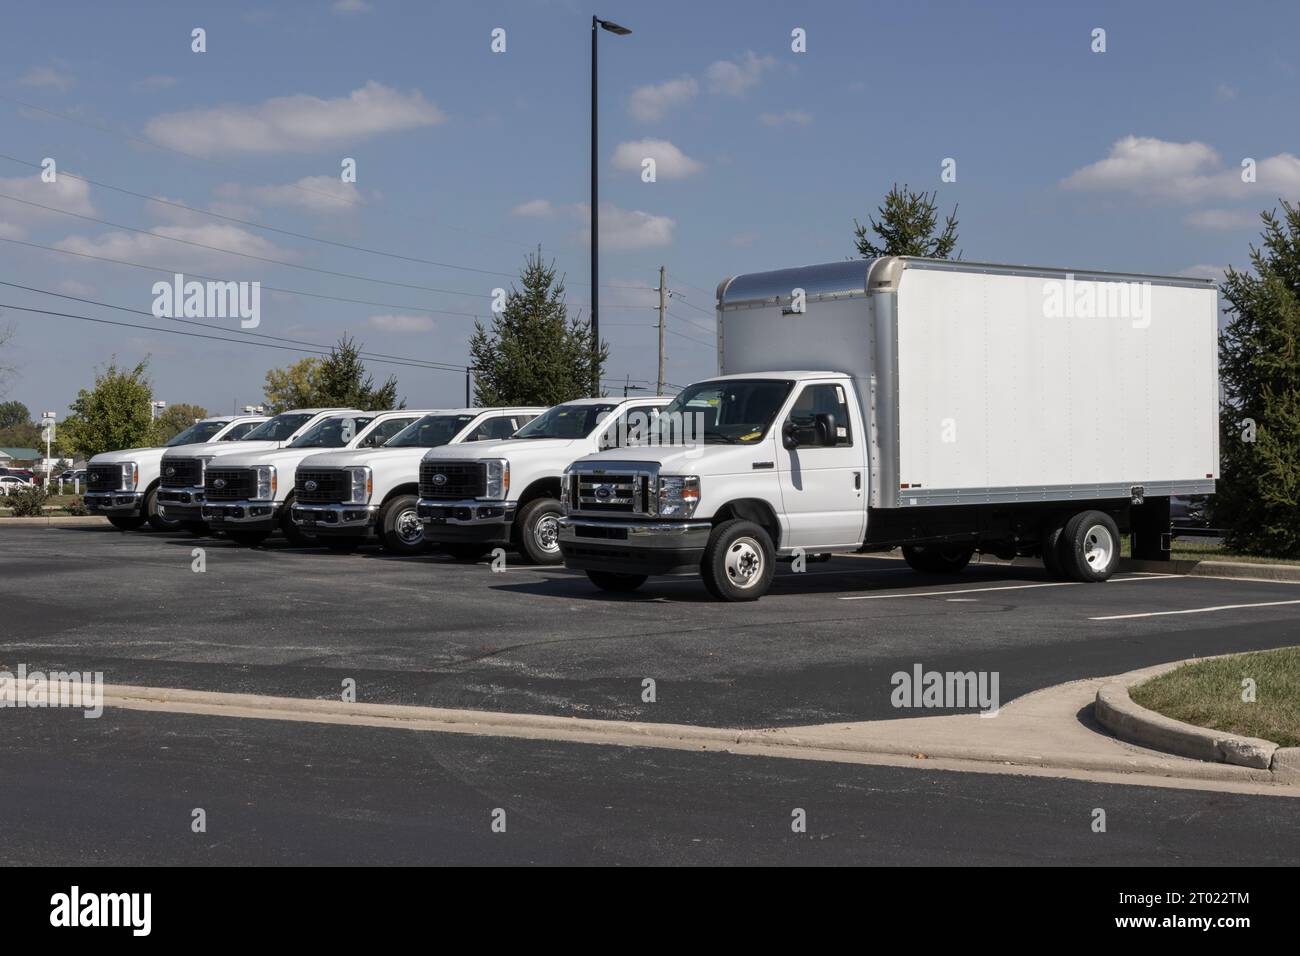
(478, 496)
(348, 497)
(123, 486)
(250, 494)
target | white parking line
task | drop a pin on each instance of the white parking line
(1007, 587)
(1191, 610)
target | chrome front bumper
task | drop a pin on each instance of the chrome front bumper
(253, 515)
(333, 518)
(467, 521)
(113, 502)
(633, 547)
(181, 504)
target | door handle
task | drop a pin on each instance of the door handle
(857, 480)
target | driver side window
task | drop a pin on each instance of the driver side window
(817, 400)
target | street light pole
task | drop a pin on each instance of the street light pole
(595, 201)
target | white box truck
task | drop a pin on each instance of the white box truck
(945, 407)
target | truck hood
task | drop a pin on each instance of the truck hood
(282, 458)
(219, 449)
(699, 460)
(344, 457)
(511, 449)
(128, 454)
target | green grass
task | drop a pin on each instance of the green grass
(1208, 694)
(1189, 549)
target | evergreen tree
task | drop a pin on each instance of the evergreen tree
(534, 354)
(907, 228)
(1258, 499)
(115, 414)
(342, 380)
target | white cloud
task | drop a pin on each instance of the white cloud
(48, 78)
(653, 102)
(1225, 93)
(624, 229)
(298, 123)
(351, 6)
(1186, 172)
(157, 247)
(156, 82)
(788, 118)
(76, 287)
(534, 209)
(10, 230)
(402, 323)
(734, 77)
(1224, 219)
(670, 162)
(67, 193)
(316, 194)
(743, 240)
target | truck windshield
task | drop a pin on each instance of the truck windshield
(734, 412)
(332, 432)
(278, 428)
(239, 431)
(196, 433)
(566, 421)
(429, 431)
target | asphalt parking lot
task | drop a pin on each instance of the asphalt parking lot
(297, 622)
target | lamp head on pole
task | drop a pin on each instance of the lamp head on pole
(613, 27)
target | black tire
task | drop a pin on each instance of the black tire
(1050, 550)
(465, 551)
(611, 581)
(1089, 548)
(248, 539)
(400, 529)
(123, 523)
(295, 535)
(938, 558)
(343, 545)
(537, 524)
(150, 512)
(196, 528)
(739, 561)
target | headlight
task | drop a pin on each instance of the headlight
(130, 475)
(498, 479)
(265, 483)
(678, 496)
(361, 485)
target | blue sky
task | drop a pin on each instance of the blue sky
(1127, 159)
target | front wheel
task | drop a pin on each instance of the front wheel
(938, 559)
(611, 581)
(295, 535)
(739, 561)
(539, 531)
(150, 511)
(400, 529)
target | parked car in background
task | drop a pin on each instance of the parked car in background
(250, 494)
(123, 485)
(477, 496)
(347, 497)
(1189, 511)
(11, 483)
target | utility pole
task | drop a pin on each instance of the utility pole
(663, 310)
(467, 370)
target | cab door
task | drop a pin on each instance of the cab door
(820, 451)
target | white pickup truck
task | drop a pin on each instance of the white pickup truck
(475, 497)
(249, 495)
(348, 497)
(953, 408)
(123, 485)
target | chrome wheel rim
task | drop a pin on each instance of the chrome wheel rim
(409, 527)
(1098, 547)
(547, 533)
(744, 563)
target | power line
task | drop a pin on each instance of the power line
(314, 345)
(702, 328)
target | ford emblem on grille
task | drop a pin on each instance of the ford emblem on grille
(439, 479)
(603, 492)
(310, 485)
(170, 471)
(94, 476)
(219, 483)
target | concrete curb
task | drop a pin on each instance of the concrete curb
(1129, 721)
(75, 521)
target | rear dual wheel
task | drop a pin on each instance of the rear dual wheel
(1084, 548)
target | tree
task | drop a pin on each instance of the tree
(14, 413)
(292, 387)
(534, 354)
(907, 227)
(342, 380)
(115, 414)
(175, 419)
(1258, 493)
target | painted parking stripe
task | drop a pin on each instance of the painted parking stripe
(1007, 587)
(1192, 610)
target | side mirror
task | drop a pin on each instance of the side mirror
(790, 434)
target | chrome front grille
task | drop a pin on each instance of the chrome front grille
(182, 473)
(610, 492)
